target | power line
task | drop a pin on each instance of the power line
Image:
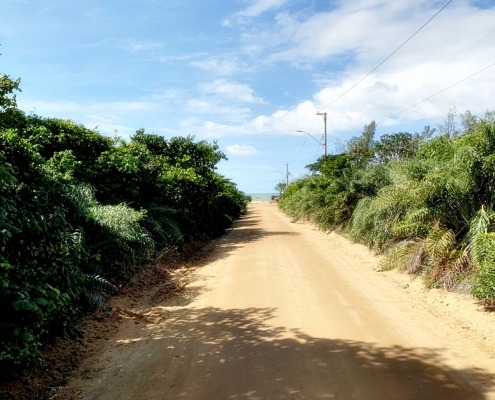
(383, 62)
(388, 57)
(433, 95)
(439, 92)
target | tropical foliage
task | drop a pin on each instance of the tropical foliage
(80, 212)
(426, 200)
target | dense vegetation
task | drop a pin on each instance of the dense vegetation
(80, 212)
(427, 200)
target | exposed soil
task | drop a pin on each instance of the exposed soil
(279, 310)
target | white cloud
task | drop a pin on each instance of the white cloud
(183, 57)
(261, 6)
(389, 92)
(357, 36)
(112, 126)
(108, 118)
(50, 108)
(285, 121)
(257, 8)
(62, 107)
(224, 100)
(336, 47)
(365, 32)
(231, 90)
(221, 65)
(280, 122)
(126, 106)
(241, 150)
(379, 97)
(136, 46)
(167, 95)
(213, 107)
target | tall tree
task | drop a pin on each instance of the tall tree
(7, 89)
(450, 128)
(360, 148)
(396, 146)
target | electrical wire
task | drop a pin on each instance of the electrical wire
(383, 62)
(430, 97)
(388, 57)
(439, 92)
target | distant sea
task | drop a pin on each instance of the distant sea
(262, 196)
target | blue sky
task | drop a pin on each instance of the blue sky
(249, 73)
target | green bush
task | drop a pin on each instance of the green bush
(426, 202)
(79, 211)
(40, 256)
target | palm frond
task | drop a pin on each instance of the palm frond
(123, 222)
(482, 249)
(480, 223)
(406, 256)
(392, 198)
(416, 223)
(440, 242)
(449, 271)
(95, 288)
(81, 197)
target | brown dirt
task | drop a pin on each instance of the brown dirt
(279, 310)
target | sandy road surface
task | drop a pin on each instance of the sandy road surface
(282, 311)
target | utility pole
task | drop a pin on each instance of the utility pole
(325, 131)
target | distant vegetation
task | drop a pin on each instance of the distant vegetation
(426, 200)
(80, 212)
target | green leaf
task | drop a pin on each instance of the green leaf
(27, 305)
(27, 336)
(42, 301)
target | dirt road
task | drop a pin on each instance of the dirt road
(282, 311)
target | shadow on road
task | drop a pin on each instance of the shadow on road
(238, 354)
(186, 352)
